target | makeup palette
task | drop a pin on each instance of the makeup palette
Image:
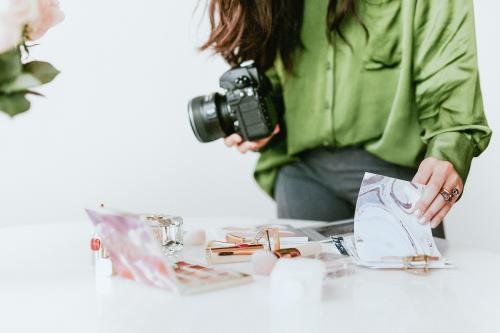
(197, 278)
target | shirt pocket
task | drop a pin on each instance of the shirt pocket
(384, 54)
(383, 49)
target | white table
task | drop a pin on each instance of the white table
(47, 285)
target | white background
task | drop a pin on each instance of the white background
(113, 128)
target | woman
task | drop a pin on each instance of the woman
(384, 86)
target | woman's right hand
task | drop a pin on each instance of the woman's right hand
(235, 140)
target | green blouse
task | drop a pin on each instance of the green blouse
(408, 92)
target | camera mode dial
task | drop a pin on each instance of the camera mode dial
(242, 82)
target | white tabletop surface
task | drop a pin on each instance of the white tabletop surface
(47, 285)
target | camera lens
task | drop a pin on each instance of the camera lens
(209, 117)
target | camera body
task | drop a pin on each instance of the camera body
(248, 107)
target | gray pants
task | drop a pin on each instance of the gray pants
(324, 185)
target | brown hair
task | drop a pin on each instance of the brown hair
(260, 29)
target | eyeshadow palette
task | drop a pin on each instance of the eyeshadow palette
(195, 278)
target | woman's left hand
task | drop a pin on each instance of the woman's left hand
(442, 181)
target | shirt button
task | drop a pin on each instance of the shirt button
(328, 66)
(327, 105)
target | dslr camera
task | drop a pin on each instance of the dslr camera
(248, 107)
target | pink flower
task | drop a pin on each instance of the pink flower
(10, 34)
(49, 14)
(14, 14)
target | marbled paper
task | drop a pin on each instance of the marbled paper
(385, 226)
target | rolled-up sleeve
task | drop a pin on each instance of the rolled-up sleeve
(447, 88)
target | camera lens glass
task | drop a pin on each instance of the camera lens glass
(209, 117)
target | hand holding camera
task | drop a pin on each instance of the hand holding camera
(235, 140)
(246, 114)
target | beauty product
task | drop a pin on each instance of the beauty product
(136, 255)
(239, 249)
(303, 250)
(231, 254)
(337, 265)
(287, 253)
(264, 261)
(102, 263)
(237, 235)
(167, 229)
(197, 278)
(297, 281)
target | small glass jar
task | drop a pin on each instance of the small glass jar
(337, 265)
(167, 229)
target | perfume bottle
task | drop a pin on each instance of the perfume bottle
(167, 229)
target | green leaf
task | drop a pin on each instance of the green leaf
(10, 65)
(41, 70)
(14, 104)
(22, 82)
(34, 74)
